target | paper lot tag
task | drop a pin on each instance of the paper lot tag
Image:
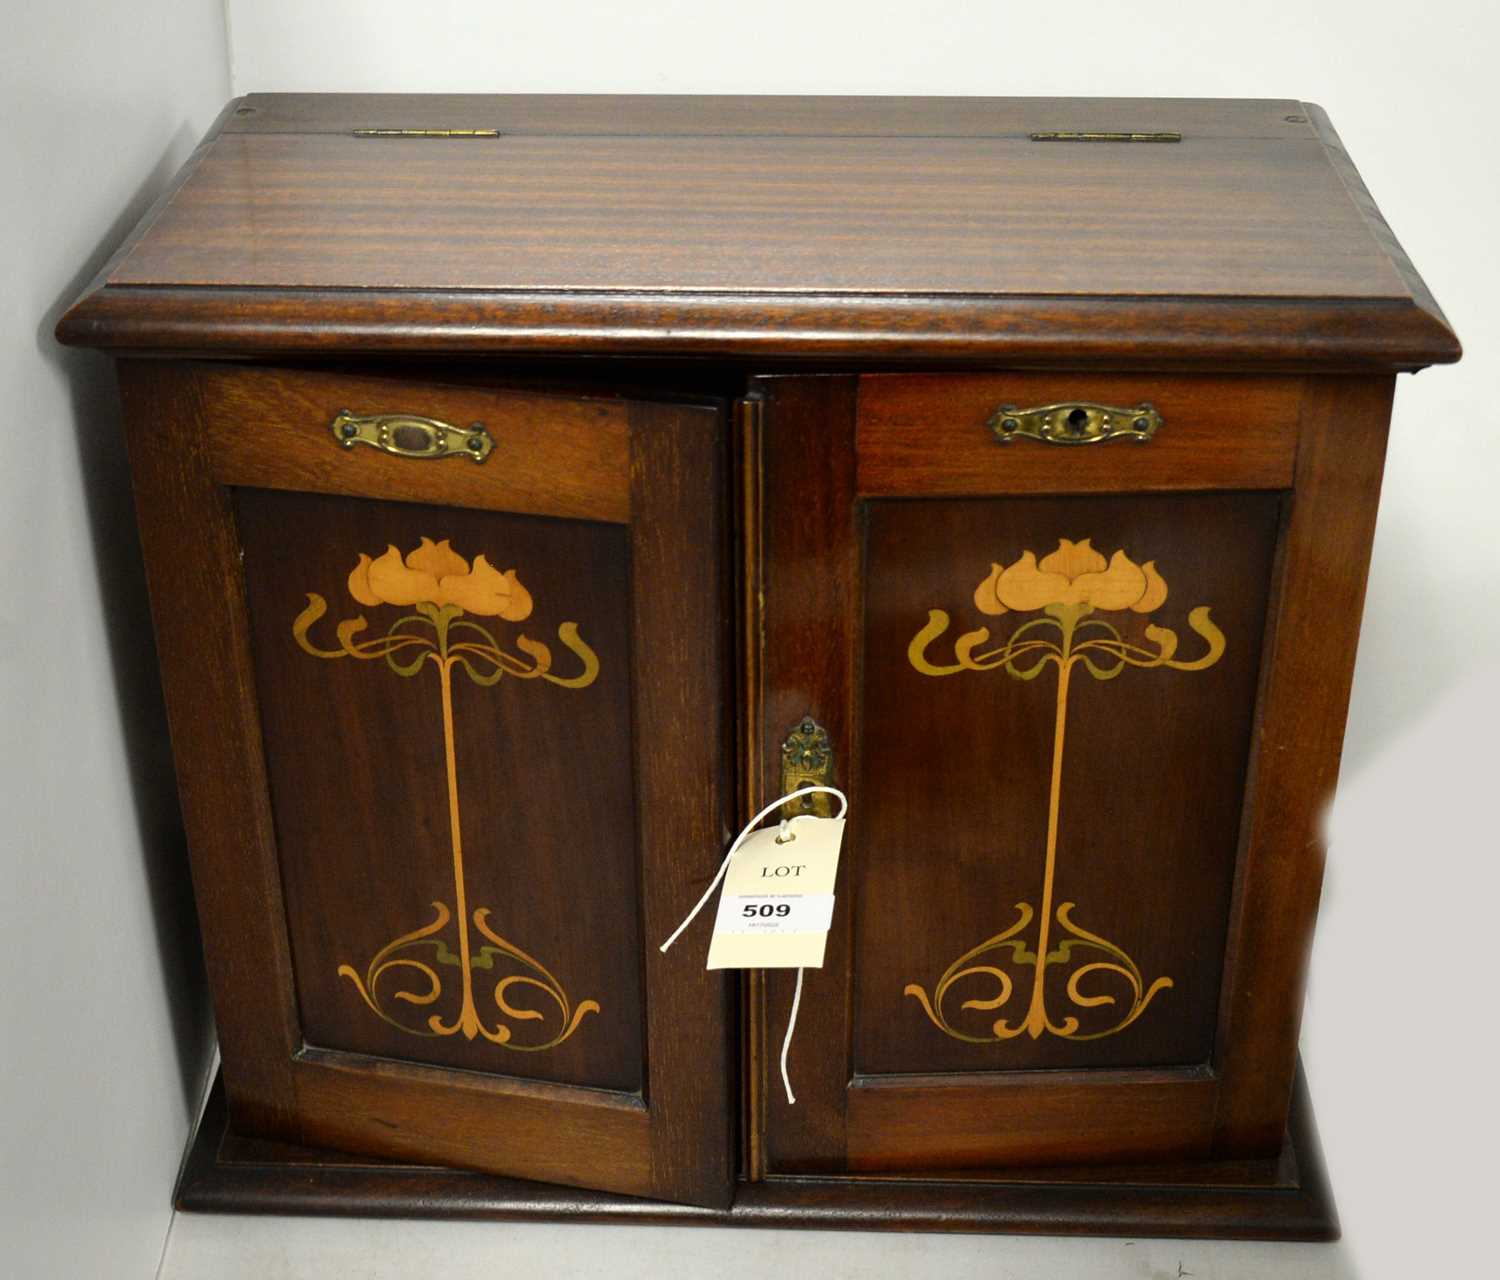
(777, 901)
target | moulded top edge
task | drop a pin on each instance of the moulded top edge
(1267, 334)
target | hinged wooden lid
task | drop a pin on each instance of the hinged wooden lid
(838, 228)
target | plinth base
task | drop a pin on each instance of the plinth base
(1282, 1199)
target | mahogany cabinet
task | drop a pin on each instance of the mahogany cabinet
(532, 489)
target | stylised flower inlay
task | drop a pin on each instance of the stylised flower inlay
(1071, 587)
(436, 574)
(1073, 574)
(446, 593)
(440, 588)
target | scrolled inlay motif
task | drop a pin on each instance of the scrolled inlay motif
(1069, 588)
(444, 594)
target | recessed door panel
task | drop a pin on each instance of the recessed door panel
(437, 767)
(1055, 711)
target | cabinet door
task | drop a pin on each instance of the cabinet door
(1087, 700)
(450, 735)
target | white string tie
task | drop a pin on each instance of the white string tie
(784, 835)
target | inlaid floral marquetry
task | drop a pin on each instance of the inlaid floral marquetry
(1072, 590)
(443, 595)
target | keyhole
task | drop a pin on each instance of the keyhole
(411, 438)
(1077, 420)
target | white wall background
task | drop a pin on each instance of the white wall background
(104, 1029)
(100, 1036)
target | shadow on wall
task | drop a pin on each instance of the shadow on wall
(121, 582)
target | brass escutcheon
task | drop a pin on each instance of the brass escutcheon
(1075, 422)
(806, 761)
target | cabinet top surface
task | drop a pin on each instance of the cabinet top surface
(617, 217)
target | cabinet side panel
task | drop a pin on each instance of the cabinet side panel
(198, 605)
(1315, 619)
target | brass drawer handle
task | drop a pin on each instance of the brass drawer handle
(1075, 423)
(408, 436)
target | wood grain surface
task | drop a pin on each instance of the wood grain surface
(954, 781)
(1313, 635)
(1244, 842)
(925, 435)
(763, 332)
(809, 621)
(202, 628)
(553, 455)
(355, 755)
(908, 1123)
(1284, 1198)
(1209, 217)
(935, 229)
(333, 841)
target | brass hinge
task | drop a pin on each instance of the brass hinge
(427, 133)
(1066, 135)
